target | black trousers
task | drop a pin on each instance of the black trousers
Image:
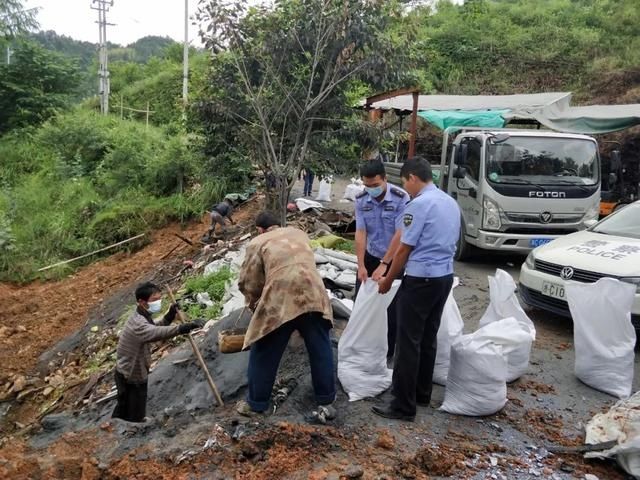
(132, 400)
(371, 263)
(420, 305)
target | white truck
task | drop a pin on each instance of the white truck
(518, 188)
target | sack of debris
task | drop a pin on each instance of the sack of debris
(603, 335)
(515, 341)
(324, 190)
(476, 384)
(355, 188)
(362, 349)
(620, 424)
(504, 304)
(451, 327)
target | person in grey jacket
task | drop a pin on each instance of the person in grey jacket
(134, 353)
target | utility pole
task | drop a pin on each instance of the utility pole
(185, 59)
(102, 6)
(9, 52)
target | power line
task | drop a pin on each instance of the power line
(104, 88)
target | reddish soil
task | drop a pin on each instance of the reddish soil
(38, 315)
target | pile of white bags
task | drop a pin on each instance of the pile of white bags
(604, 338)
(451, 327)
(504, 304)
(324, 190)
(476, 385)
(362, 349)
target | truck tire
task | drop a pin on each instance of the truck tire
(464, 250)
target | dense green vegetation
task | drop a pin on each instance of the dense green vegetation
(83, 181)
(72, 181)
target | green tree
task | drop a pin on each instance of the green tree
(283, 73)
(37, 84)
(15, 20)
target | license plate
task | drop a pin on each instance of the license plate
(536, 242)
(553, 290)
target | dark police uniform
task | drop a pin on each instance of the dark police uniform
(431, 225)
(381, 220)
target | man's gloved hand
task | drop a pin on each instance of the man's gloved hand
(173, 311)
(187, 327)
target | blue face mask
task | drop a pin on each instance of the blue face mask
(374, 192)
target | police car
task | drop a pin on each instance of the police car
(610, 248)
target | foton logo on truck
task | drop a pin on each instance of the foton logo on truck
(548, 194)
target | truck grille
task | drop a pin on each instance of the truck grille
(558, 218)
(578, 275)
(540, 231)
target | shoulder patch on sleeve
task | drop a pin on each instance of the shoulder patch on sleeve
(361, 194)
(407, 219)
(398, 192)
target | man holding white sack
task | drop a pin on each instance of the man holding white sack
(430, 230)
(379, 210)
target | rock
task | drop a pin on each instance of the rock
(494, 461)
(19, 384)
(21, 328)
(47, 391)
(56, 381)
(249, 449)
(385, 440)
(353, 471)
(54, 421)
(95, 328)
(589, 476)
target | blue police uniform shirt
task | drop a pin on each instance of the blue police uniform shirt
(380, 219)
(431, 224)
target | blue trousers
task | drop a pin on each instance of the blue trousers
(266, 353)
(308, 184)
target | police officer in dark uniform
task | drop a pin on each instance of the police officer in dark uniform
(379, 210)
(430, 230)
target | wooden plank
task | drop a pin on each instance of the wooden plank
(92, 253)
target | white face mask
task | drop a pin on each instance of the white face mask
(155, 307)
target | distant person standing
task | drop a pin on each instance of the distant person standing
(379, 210)
(430, 230)
(308, 177)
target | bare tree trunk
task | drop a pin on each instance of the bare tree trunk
(277, 195)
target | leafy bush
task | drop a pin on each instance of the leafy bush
(84, 181)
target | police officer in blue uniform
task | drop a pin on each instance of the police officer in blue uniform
(430, 230)
(379, 210)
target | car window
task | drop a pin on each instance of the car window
(625, 223)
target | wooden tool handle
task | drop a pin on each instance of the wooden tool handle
(198, 355)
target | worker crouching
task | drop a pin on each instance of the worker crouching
(281, 284)
(134, 354)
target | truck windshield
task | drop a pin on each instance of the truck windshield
(543, 161)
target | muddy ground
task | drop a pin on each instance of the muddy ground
(188, 437)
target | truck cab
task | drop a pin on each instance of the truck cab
(519, 189)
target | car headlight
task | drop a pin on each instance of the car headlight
(491, 216)
(593, 213)
(634, 280)
(531, 261)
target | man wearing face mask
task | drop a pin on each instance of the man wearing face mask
(134, 354)
(379, 212)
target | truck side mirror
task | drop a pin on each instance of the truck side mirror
(460, 172)
(461, 155)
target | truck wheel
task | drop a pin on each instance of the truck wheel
(464, 250)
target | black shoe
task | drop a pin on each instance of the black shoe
(389, 412)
